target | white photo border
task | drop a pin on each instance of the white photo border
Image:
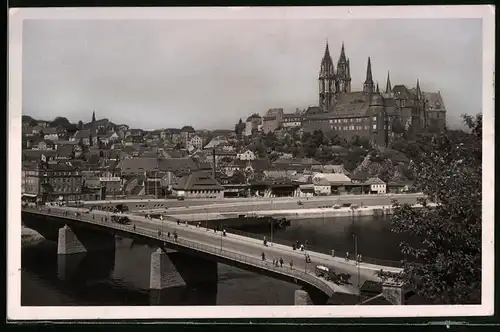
(17, 312)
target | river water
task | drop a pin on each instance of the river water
(122, 277)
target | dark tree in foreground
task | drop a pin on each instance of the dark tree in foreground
(446, 266)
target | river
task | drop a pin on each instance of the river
(122, 277)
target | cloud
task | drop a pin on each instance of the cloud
(210, 73)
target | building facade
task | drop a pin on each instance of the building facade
(52, 181)
(370, 113)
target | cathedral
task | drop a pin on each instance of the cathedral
(371, 113)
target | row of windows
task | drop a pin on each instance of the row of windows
(205, 191)
(353, 127)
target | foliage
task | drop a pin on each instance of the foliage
(239, 128)
(446, 268)
(59, 122)
(80, 125)
(237, 178)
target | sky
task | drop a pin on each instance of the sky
(167, 73)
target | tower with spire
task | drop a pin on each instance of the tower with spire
(327, 82)
(93, 117)
(368, 86)
(343, 72)
(388, 87)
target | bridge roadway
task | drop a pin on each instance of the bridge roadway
(236, 248)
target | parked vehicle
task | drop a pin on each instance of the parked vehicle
(321, 271)
(346, 204)
(120, 219)
(180, 198)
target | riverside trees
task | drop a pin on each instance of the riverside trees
(446, 267)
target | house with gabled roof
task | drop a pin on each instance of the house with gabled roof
(199, 184)
(377, 186)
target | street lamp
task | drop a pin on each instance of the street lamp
(356, 253)
(220, 230)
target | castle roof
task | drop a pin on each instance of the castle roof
(435, 101)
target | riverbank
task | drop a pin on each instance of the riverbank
(30, 237)
(309, 213)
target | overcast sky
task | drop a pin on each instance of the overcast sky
(209, 73)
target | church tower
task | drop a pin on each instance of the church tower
(388, 87)
(343, 72)
(368, 86)
(327, 82)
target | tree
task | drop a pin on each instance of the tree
(397, 127)
(239, 128)
(80, 125)
(59, 121)
(446, 267)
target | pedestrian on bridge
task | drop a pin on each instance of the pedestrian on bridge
(281, 261)
(291, 265)
(168, 234)
(347, 256)
(133, 227)
(263, 256)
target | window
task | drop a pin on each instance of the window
(374, 126)
(374, 118)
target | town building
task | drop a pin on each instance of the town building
(51, 180)
(377, 186)
(199, 184)
(247, 155)
(269, 124)
(252, 124)
(292, 120)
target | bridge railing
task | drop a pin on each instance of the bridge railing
(332, 252)
(304, 275)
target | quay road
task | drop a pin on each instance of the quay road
(250, 205)
(242, 249)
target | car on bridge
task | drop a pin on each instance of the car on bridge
(120, 219)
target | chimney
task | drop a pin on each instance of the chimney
(394, 292)
(213, 159)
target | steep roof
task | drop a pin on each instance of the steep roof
(435, 101)
(200, 180)
(374, 180)
(332, 178)
(65, 150)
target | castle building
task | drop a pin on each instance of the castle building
(370, 113)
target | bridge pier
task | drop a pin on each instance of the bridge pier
(302, 297)
(172, 270)
(73, 241)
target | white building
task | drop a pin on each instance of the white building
(247, 155)
(195, 142)
(377, 186)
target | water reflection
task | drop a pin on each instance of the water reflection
(375, 238)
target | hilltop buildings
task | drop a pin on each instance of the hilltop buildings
(370, 113)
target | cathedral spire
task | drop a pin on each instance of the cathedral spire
(369, 78)
(327, 52)
(388, 87)
(368, 87)
(419, 93)
(342, 58)
(93, 117)
(378, 90)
